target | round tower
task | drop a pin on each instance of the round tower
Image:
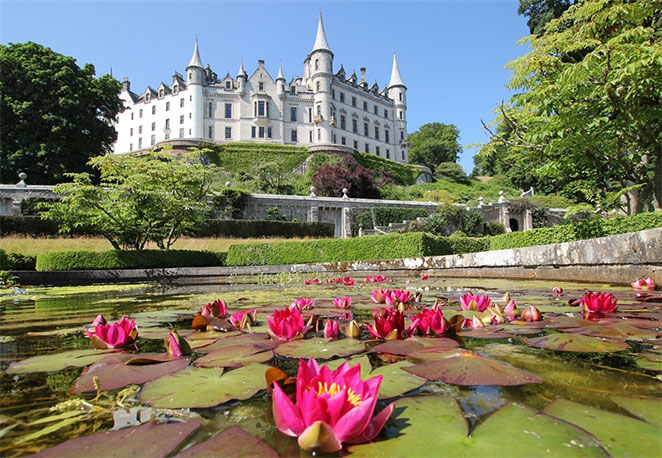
(241, 79)
(320, 64)
(280, 82)
(397, 91)
(194, 82)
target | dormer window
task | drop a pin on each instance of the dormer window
(161, 93)
(175, 89)
(293, 90)
(147, 97)
(260, 86)
(228, 85)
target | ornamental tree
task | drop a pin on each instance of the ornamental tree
(154, 197)
(588, 107)
(434, 143)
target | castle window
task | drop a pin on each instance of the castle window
(356, 144)
(403, 154)
(261, 132)
(342, 122)
(228, 85)
(353, 101)
(319, 110)
(310, 115)
(376, 110)
(211, 132)
(140, 129)
(130, 146)
(140, 143)
(317, 85)
(293, 114)
(310, 136)
(167, 136)
(153, 126)
(268, 132)
(228, 110)
(260, 86)
(131, 132)
(190, 75)
(154, 109)
(175, 89)
(131, 116)
(400, 94)
(386, 136)
(319, 134)
(386, 114)
(167, 106)
(190, 98)
(167, 124)
(388, 154)
(378, 151)
(355, 126)
(293, 135)
(211, 113)
(153, 140)
(317, 64)
(400, 114)
(334, 138)
(333, 94)
(252, 131)
(365, 129)
(260, 108)
(181, 102)
(293, 90)
(189, 115)
(181, 119)
(140, 113)
(161, 93)
(228, 132)
(147, 97)
(365, 106)
(367, 148)
(181, 133)
(376, 133)
(343, 140)
(342, 97)
(402, 135)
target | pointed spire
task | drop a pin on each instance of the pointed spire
(396, 79)
(280, 73)
(241, 72)
(321, 44)
(195, 59)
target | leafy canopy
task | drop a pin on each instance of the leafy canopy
(155, 197)
(55, 115)
(433, 144)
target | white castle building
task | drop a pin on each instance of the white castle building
(322, 110)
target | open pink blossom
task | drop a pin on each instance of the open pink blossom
(343, 302)
(644, 284)
(389, 324)
(598, 303)
(395, 297)
(378, 295)
(377, 279)
(303, 303)
(424, 276)
(217, 309)
(287, 324)
(243, 317)
(176, 345)
(348, 281)
(331, 329)
(331, 408)
(477, 303)
(116, 335)
(429, 323)
(100, 319)
(312, 281)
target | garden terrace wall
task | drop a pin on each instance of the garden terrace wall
(263, 228)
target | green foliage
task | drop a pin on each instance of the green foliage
(433, 144)
(577, 231)
(7, 280)
(448, 219)
(382, 216)
(154, 197)
(540, 12)
(551, 201)
(27, 225)
(272, 177)
(32, 205)
(18, 261)
(240, 158)
(448, 191)
(539, 217)
(127, 259)
(363, 218)
(55, 115)
(227, 202)
(403, 174)
(451, 171)
(473, 223)
(255, 229)
(273, 214)
(494, 228)
(4, 260)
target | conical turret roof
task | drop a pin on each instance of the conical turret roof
(396, 79)
(280, 73)
(241, 72)
(195, 59)
(321, 44)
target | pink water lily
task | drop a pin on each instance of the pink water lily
(176, 345)
(287, 324)
(389, 324)
(312, 281)
(116, 335)
(378, 295)
(429, 323)
(377, 279)
(531, 313)
(478, 303)
(303, 303)
(99, 320)
(343, 302)
(598, 303)
(395, 297)
(424, 276)
(557, 291)
(348, 281)
(217, 309)
(331, 408)
(243, 318)
(331, 329)
(644, 284)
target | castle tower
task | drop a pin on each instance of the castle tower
(397, 91)
(195, 81)
(280, 82)
(241, 79)
(320, 64)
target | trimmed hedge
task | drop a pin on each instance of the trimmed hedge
(577, 231)
(28, 225)
(125, 259)
(242, 157)
(16, 261)
(382, 216)
(255, 229)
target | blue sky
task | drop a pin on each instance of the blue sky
(451, 53)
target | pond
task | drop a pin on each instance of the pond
(569, 384)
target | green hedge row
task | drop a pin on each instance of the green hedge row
(125, 259)
(382, 216)
(255, 229)
(242, 157)
(404, 174)
(30, 225)
(577, 231)
(16, 261)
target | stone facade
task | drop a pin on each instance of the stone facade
(325, 110)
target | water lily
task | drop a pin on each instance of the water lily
(303, 303)
(353, 330)
(99, 320)
(335, 280)
(471, 302)
(598, 303)
(217, 309)
(176, 345)
(348, 281)
(312, 281)
(378, 295)
(331, 408)
(557, 291)
(425, 277)
(331, 329)
(397, 297)
(116, 335)
(389, 324)
(430, 322)
(287, 324)
(243, 318)
(531, 314)
(644, 284)
(343, 302)
(476, 323)
(496, 314)
(377, 279)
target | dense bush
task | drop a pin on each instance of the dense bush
(228, 202)
(31, 205)
(382, 216)
(31, 225)
(448, 219)
(125, 259)
(494, 228)
(577, 231)
(4, 261)
(403, 174)
(364, 218)
(241, 157)
(254, 229)
(360, 182)
(473, 223)
(18, 261)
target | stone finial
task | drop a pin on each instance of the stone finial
(312, 191)
(502, 199)
(344, 194)
(22, 176)
(227, 183)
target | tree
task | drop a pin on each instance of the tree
(589, 108)
(55, 115)
(540, 12)
(154, 197)
(331, 178)
(433, 144)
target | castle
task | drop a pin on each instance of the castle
(323, 110)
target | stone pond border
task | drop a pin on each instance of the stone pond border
(617, 259)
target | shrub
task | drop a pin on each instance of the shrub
(364, 218)
(228, 202)
(18, 261)
(448, 219)
(473, 223)
(451, 171)
(382, 216)
(577, 231)
(31, 205)
(403, 174)
(256, 229)
(125, 259)
(4, 261)
(539, 217)
(241, 157)
(330, 179)
(494, 228)
(28, 225)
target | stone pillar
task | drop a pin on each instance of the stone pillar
(314, 214)
(346, 223)
(528, 220)
(505, 217)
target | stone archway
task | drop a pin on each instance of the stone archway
(514, 224)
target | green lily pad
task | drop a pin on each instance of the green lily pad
(396, 381)
(236, 356)
(567, 322)
(57, 361)
(196, 387)
(234, 442)
(407, 346)
(114, 372)
(647, 409)
(485, 333)
(435, 426)
(319, 348)
(617, 331)
(260, 340)
(577, 343)
(620, 435)
(366, 367)
(646, 363)
(463, 367)
(150, 439)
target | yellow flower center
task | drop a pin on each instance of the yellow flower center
(352, 397)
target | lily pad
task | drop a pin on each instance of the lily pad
(196, 387)
(319, 348)
(396, 381)
(486, 333)
(260, 340)
(617, 331)
(567, 322)
(114, 372)
(58, 361)
(620, 435)
(366, 367)
(647, 409)
(646, 363)
(463, 367)
(236, 356)
(150, 439)
(234, 442)
(407, 346)
(435, 426)
(577, 343)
